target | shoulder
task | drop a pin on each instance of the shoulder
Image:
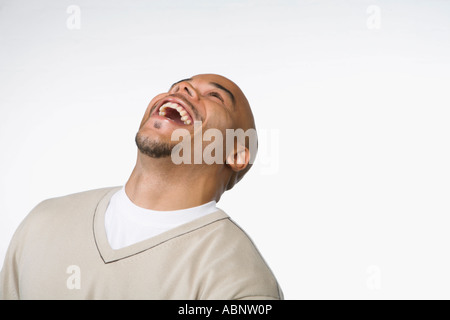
(47, 223)
(61, 210)
(240, 270)
(234, 237)
(61, 214)
(85, 197)
(71, 202)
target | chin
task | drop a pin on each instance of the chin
(153, 147)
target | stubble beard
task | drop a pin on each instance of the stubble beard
(152, 148)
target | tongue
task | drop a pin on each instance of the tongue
(173, 114)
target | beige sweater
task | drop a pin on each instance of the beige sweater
(60, 251)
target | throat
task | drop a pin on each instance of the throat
(168, 190)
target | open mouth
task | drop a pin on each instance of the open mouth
(175, 112)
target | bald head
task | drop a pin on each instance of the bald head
(210, 99)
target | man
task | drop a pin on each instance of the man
(160, 236)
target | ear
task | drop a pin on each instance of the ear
(238, 159)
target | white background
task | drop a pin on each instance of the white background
(349, 197)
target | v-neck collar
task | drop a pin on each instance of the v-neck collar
(110, 255)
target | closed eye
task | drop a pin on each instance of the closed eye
(216, 95)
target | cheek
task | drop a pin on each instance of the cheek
(149, 109)
(220, 120)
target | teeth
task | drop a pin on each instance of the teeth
(183, 113)
(169, 105)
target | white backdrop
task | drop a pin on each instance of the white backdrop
(349, 197)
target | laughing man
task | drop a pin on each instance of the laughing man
(160, 236)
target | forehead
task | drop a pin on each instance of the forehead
(213, 78)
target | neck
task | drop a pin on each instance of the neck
(158, 184)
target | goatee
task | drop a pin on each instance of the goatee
(154, 149)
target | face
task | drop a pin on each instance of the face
(212, 99)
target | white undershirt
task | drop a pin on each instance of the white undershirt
(127, 224)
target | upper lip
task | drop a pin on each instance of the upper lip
(178, 100)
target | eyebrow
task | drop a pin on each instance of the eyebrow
(230, 94)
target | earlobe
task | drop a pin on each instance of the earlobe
(239, 160)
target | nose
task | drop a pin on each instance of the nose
(185, 87)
